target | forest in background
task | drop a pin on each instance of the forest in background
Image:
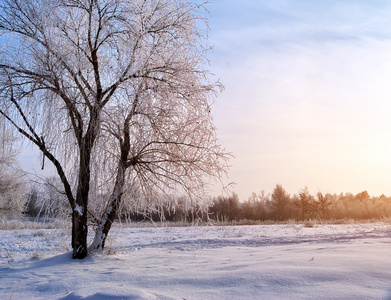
(281, 206)
(45, 200)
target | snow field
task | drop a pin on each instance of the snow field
(233, 262)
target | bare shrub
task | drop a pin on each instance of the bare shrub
(309, 224)
(35, 254)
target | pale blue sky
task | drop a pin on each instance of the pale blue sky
(307, 98)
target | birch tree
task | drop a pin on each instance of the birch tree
(116, 96)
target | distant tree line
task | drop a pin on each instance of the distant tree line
(47, 200)
(277, 206)
(280, 206)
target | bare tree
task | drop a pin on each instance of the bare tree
(166, 141)
(279, 202)
(47, 200)
(324, 204)
(306, 203)
(101, 88)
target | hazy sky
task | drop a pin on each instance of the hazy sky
(307, 98)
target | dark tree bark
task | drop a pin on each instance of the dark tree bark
(79, 215)
(79, 235)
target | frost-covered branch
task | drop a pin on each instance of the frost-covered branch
(116, 94)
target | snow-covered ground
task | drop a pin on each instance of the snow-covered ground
(235, 262)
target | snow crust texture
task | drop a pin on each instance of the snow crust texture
(234, 262)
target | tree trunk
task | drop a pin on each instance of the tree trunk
(111, 211)
(115, 199)
(79, 215)
(79, 234)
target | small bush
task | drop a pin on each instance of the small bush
(35, 254)
(39, 233)
(309, 224)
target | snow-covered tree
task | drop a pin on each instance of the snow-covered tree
(12, 185)
(47, 199)
(115, 93)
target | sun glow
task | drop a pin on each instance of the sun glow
(308, 104)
